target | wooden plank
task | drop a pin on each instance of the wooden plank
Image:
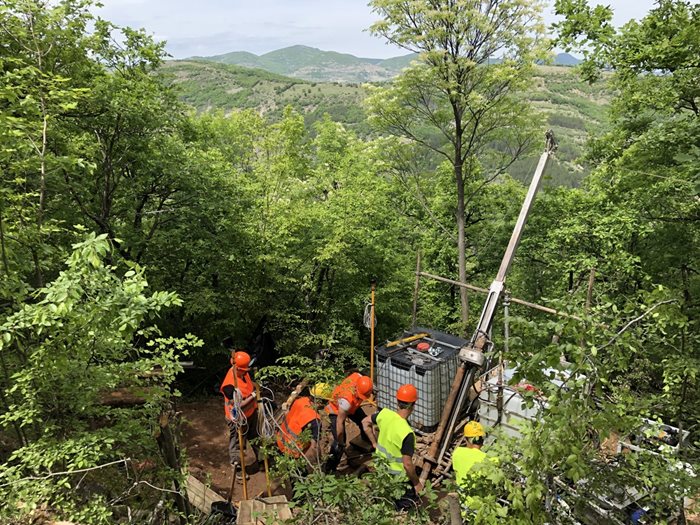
(200, 495)
(264, 511)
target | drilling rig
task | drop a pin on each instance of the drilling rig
(471, 356)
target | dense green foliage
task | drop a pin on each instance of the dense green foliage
(129, 220)
(455, 104)
(574, 107)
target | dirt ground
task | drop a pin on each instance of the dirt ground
(205, 438)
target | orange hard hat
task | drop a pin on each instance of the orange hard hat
(241, 360)
(364, 387)
(407, 393)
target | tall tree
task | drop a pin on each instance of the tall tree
(460, 100)
(649, 159)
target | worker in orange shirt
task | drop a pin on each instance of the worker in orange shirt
(302, 417)
(345, 404)
(238, 388)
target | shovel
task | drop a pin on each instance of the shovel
(226, 508)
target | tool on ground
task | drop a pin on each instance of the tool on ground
(226, 508)
(265, 460)
(471, 356)
(241, 445)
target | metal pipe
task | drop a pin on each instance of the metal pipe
(515, 300)
(431, 456)
(371, 333)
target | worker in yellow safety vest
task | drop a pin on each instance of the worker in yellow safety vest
(397, 443)
(464, 459)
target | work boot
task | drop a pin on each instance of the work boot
(235, 466)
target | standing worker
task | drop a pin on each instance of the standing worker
(397, 443)
(302, 416)
(238, 389)
(345, 404)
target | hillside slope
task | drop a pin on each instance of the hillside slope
(571, 106)
(210, 86)
(310, 63)
(314, 64)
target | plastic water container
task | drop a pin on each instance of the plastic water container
(431, 370)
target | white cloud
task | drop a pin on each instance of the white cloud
(210, 27)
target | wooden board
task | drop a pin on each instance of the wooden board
(200, 495)
(264, 511)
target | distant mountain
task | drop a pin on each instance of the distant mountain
(313, 64)
(565, 59)
(316, 65)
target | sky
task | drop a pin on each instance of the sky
(213, 27)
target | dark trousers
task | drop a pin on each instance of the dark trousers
(249, 431)
(337, 449)
(409, 501)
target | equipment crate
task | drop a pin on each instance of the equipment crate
(431, 372)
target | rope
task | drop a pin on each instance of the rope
(266, 422)
(240, 420)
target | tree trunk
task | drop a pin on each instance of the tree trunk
(171, 455)
(461, 244)
(5, 263)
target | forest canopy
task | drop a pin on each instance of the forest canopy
(136, 233)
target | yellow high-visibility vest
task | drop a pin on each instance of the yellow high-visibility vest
(463, 459)
(393, 429)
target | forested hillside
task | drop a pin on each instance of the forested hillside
(318, 66)
(315, 65)
(151, 209)
(571, 107)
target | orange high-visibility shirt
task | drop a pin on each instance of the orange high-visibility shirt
(346, 390)
(300, 414)
(245, 386)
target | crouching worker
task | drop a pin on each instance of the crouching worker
(345, 404)
(238, 390)
(300, 431)
(396, 443)
(464, 463)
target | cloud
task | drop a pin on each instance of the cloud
(211, 27)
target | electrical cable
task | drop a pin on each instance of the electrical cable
(266, 421)
(239, 418)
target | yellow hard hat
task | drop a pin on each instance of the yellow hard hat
(321, 391)
(474, 429)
